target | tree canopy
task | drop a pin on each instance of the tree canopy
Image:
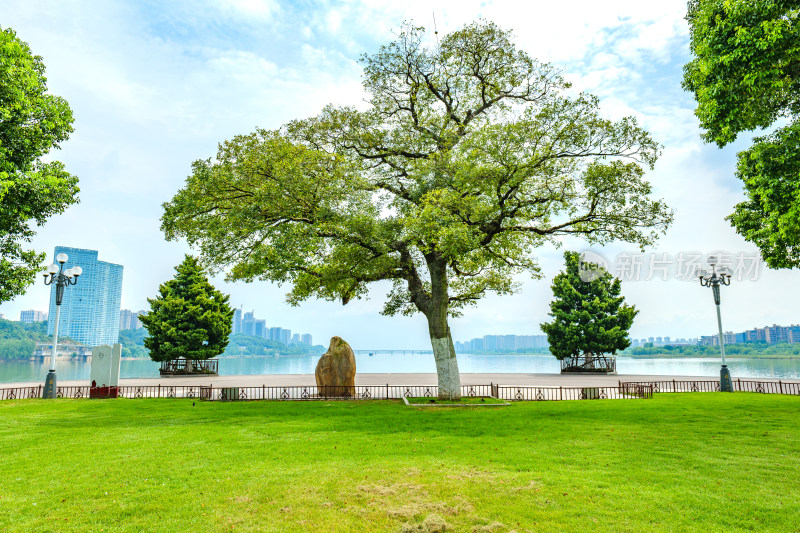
(189, 318)
(745, 76)
(32, 122)
(589, 315)
(468, 158)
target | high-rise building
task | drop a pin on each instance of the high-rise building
(129, 319)
(29, 316)
(280, 335)
(90, 308)
(776, 334)
(237, 321)
(260, 328)
(305, 338)
(490, 343)
(510, 342)
(794, 334)
(248, 324)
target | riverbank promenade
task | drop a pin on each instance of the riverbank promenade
(300, 380)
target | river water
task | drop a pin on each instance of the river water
(399, 362)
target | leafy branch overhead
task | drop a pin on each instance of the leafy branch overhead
(469, 157)
(32, 122)
(746, 75)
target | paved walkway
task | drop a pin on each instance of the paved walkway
(544, 380)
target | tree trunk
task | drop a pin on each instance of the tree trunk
(446, 363)
(442, 343)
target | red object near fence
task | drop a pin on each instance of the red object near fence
(102, 392)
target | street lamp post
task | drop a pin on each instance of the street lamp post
(714, 281)
(56, 274)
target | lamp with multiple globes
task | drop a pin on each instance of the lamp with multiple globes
(55, 274)
(714, 280)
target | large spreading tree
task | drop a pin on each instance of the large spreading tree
(746, 76)
(469, 157)
(189, 318)
(32, 122)
(590, 317)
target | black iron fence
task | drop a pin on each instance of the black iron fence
(625, 390)
(584, 364)
(740, 385)
(180, 367)
(362, 392)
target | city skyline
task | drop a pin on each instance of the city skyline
(155, 87)
(248, 324)
(770, 334)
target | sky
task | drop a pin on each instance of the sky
(157, 85)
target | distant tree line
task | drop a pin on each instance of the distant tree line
(132, 341)
(754, 349)
(18, 340)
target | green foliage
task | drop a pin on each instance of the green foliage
(589, 316)
(746, 75)
(770, 217)
(754, 350)
(469, 157)
(132, 341)
(17, 348)
(189, 318)
(31, 124)
(746, 70)
(18, 340)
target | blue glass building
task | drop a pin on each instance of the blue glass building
(90, 309)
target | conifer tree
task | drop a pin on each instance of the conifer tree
(189, 318)
(590, 317)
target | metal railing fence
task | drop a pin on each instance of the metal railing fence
(739, 385)
(361, 392)
(624, 390)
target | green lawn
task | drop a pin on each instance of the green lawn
(702, 461)
(464, 400)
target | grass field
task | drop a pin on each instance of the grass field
(678, 462)
(464, 400)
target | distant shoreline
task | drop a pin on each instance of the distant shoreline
(627, 356)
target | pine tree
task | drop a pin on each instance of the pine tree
(189, 318)
(590, 317)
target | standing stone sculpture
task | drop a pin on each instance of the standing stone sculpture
(336, 370)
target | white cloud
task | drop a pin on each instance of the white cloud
(333, 21)
(260, 9)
